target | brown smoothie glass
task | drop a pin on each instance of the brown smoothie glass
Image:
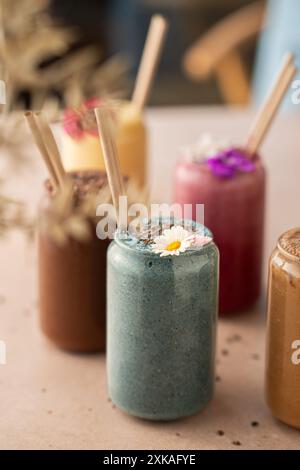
(283, 332)
(72, 281)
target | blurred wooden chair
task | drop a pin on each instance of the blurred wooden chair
(218, 52)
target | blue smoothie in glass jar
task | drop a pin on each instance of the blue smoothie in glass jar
(162, 312)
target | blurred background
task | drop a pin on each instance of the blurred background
(120, 27)
(217, 51)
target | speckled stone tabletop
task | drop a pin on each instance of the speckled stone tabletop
(53, 400)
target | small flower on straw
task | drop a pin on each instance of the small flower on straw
(226, 164)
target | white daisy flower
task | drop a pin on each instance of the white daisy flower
(173, 241)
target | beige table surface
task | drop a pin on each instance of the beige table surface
(53, 400)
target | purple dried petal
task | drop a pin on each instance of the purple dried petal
(234, 161)
(247, 166)
(218, 168)
(222, 156)
(226, 163)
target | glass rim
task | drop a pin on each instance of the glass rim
(284, 251)
(121, 241)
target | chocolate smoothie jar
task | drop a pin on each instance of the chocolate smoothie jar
(283, 334)
(72, 278)
(162, 312)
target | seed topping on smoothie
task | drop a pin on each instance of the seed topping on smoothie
(166, 237)
(290, 242)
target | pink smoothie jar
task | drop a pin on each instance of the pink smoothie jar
(234, 210)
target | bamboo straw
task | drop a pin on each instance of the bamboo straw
(38, 138)
(270, 107)
(52, 147)
(149, 62)
(111, 159)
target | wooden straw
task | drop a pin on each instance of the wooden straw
(151, 54)
(38, 138)
(52, 147)
(270, 107)
(110, 156)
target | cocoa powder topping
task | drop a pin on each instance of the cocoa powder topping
(290, 242)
